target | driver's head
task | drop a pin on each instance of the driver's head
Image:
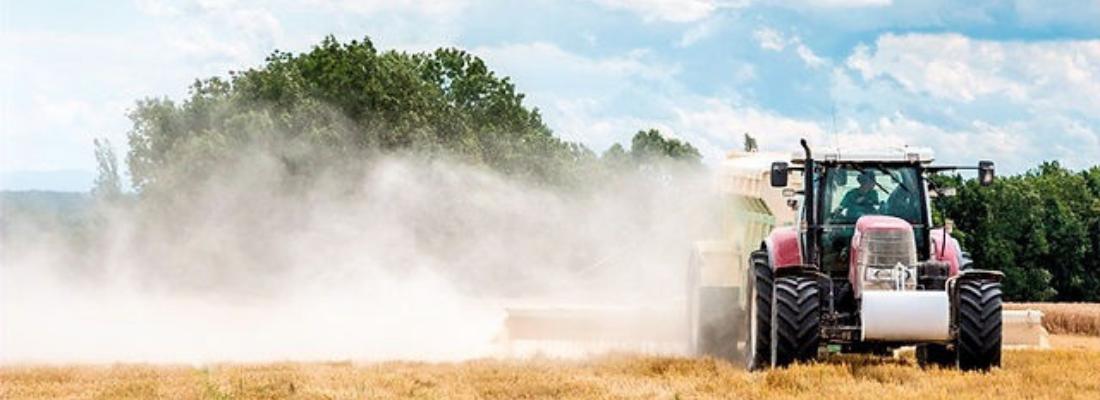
(866, 179)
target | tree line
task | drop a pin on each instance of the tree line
(1041, 228)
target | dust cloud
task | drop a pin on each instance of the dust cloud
(415, 259)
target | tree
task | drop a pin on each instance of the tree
(750, 144)
(1040, 228)
(650, 146)
(342, 104)
(108, 184)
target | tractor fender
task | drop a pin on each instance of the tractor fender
(783, 248)
(981, 275)
(949, 252)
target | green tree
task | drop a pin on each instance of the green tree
(750, 144)
(343, 103)
(108, 184)
(1040, 228)
(650, 146)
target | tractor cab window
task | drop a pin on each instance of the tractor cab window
(857, 190)
(854, 190)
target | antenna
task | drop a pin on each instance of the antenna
(836, 140)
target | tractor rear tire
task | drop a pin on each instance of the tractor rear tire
(758, 316)
(979, 322)
(796, 320)
(936, 355)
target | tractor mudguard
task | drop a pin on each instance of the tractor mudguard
(783, 248)
(981, 275)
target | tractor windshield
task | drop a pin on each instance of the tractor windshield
(855, 190)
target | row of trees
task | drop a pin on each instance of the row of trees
(1041, 228)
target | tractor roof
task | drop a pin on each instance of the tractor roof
(922, 155)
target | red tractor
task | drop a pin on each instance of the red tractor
(864, 271)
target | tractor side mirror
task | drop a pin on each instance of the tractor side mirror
(985, 173)
(779, 174)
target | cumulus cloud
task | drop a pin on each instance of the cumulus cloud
(1057, 75)
(771, 39)
(216, 33)
(720, 124)
(1021, 101)
(581, 96)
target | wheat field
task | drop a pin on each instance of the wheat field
(1027, 374)
(1063, 318)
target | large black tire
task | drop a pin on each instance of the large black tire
(936, 355)
(796, 320)
(758, 317)
(978, 315)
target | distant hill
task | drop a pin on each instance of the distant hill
(39, 204)
(69, 180)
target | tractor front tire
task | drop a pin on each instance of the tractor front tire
(796, 320)
(758, 316)
(936, 355)
(979, 322)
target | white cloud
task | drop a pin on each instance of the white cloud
(218, 34)
(808, 56)
(579, 95)
(546, 66)
(771, 39)
(978, 139)
(720, 124)
(1016, 102)
(49, 119)
(714, 126)
(697, 32)
(1062, 75)
(665, 10)
(582, 100)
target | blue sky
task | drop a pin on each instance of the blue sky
(1013, 81)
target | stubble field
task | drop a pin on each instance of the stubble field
(1070, 370)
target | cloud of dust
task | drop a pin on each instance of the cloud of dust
(417, 260)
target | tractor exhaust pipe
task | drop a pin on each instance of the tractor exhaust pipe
(809, 249)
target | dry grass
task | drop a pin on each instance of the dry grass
(1057, 374)
(1079, 342)
(1066, 318)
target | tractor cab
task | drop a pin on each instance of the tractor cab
(847, 185)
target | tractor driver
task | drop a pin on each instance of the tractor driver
(863, 199)
(903, 202)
